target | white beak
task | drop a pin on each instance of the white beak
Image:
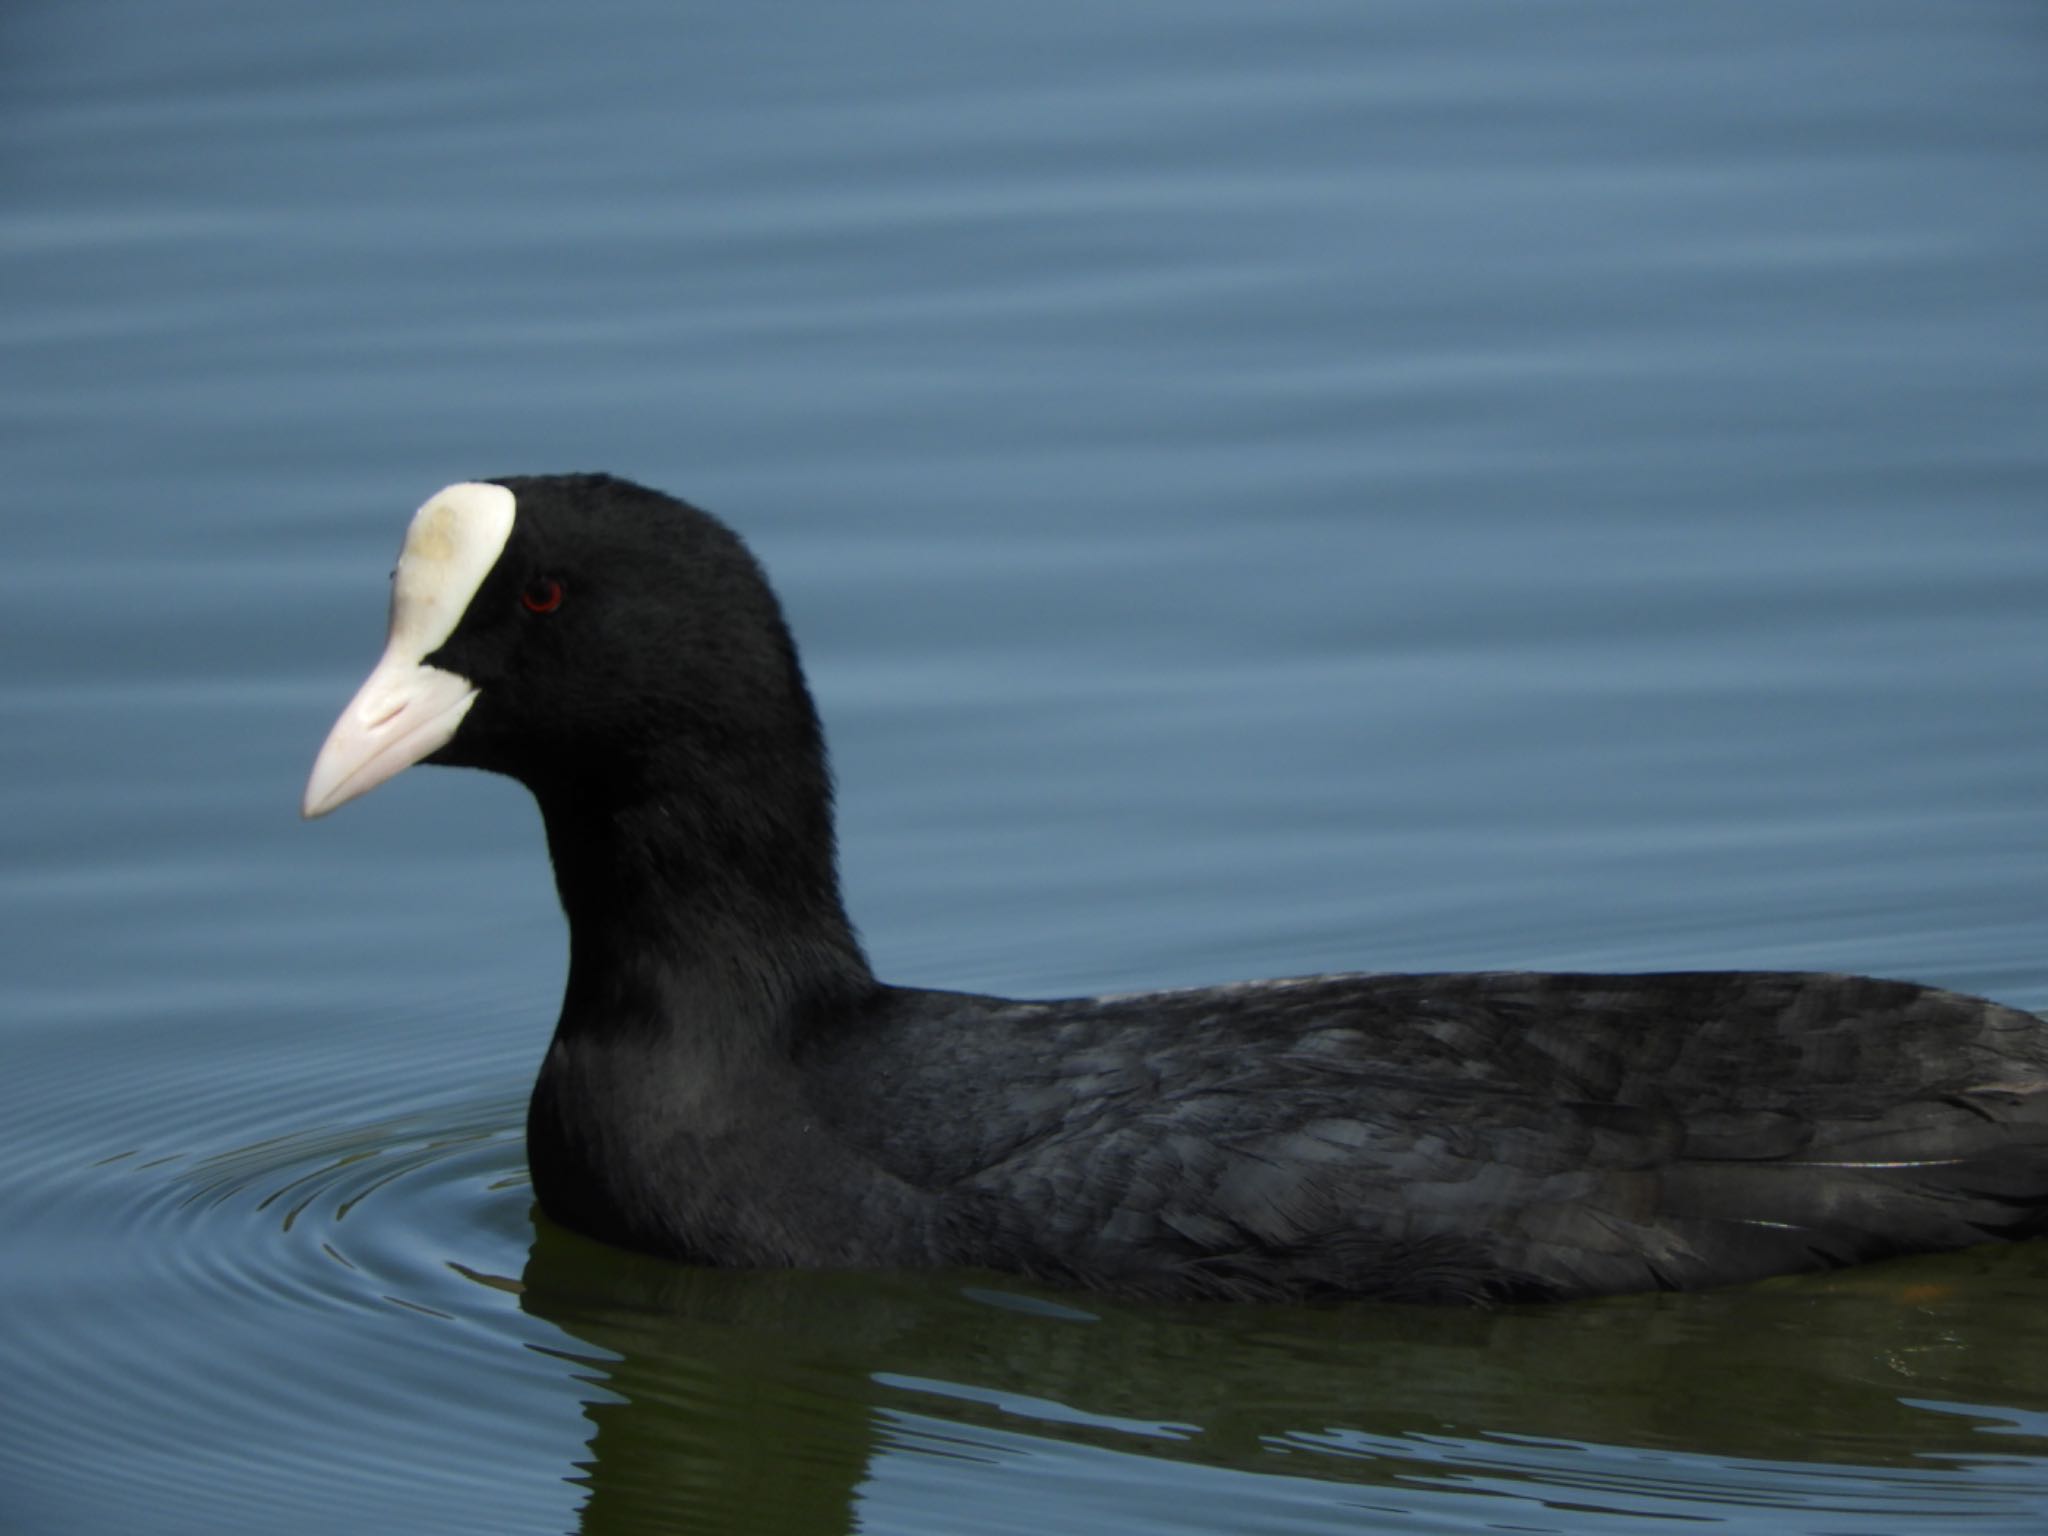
(406, 709)
(403, 712)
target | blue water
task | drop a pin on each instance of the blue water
(1259, 489)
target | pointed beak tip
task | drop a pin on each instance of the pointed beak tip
(417, 711)
(321, 792)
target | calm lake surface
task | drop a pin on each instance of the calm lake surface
(1261, 489)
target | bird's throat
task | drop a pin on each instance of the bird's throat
(723, 941)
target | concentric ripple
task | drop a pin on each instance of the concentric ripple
(386, 1204)
(251, 1300)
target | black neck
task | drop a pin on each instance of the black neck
(700, 921)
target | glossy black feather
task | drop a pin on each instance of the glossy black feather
(729, 1084)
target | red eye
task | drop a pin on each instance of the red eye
(542, 595)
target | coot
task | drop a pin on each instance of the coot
(729, 1084)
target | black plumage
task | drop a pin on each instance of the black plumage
(729, 1084)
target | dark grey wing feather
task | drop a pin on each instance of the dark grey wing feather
(1488, 1136)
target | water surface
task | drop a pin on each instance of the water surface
(1260, 490)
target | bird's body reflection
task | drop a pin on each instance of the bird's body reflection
(772, 1402)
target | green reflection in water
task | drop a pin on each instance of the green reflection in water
(763, 1401)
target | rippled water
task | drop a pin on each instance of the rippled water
(1271, 490)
